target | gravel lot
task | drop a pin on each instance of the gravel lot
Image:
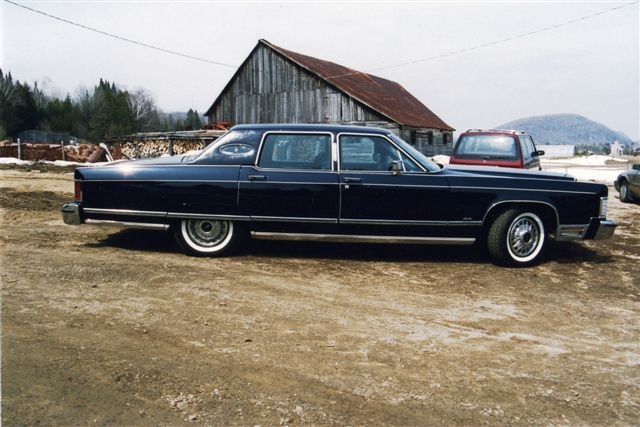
(109, 327)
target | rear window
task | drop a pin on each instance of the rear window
(486, 147)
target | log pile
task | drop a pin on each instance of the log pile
(136, 146)
(138, 149)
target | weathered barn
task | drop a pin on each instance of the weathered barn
(275, 85)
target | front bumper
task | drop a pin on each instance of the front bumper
(72, 213)
(596, 229)
(602, 228)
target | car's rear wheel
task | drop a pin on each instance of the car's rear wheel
(516, 238)
(625, 195)
(206, 237)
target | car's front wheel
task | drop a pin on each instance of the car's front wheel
(516, 238)
(206, 237)
(625, 196)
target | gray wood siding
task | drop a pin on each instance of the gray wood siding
(269, 89)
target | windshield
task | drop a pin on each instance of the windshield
(418, 156)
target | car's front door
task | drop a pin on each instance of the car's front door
(292, 183)
(380, 197)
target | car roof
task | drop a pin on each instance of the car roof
(315, 127)
(495, 131)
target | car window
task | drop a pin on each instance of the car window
(527, 147)
(296, 151)
(371, 153)
(486, 147)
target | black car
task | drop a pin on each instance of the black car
(628, 184)
(337, 183)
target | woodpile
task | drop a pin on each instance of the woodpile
(139, 149)
(136, 146)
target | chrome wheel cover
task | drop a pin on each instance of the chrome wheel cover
(206, 235)
(525, 238)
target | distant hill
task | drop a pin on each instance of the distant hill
(569, 129)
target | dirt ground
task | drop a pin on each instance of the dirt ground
(109, 327)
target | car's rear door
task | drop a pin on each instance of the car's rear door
(292, 183)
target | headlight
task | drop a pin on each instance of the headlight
(604, 204)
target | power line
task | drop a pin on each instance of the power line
(417, 61)
(115, 36)
(496, 42)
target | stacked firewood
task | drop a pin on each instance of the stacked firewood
(155, 148)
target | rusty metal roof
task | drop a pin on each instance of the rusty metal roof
(384, 96)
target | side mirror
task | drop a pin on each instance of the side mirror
(396, 167)
(537, 153)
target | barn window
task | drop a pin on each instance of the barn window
(430, 138)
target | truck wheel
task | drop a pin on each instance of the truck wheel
(205, 237)
(516, 238)
(625, 196)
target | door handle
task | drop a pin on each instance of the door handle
(352, 180)
(256, 177)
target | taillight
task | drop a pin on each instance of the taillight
(77, 190)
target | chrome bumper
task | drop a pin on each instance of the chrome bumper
(596, 229)
(605, 229)
(71, 213)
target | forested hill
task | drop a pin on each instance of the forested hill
(570, 129)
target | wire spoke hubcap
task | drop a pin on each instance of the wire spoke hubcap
(524, 237)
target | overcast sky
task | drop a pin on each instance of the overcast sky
(474, 64)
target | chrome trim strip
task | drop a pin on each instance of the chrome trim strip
(541, 190)
(130, 212)
(178, 215)
(126, 224)
(539, 202)
(408, 222)
(339, 238)
(295, 219)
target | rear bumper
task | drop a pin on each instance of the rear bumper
(72, 213)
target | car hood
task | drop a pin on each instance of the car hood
(507, 172)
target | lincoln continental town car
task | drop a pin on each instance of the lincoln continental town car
(337, 183)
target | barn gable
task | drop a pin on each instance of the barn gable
(275, 85)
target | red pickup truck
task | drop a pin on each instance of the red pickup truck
(505, 148)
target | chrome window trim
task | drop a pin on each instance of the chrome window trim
(339, 158)
(285, 132)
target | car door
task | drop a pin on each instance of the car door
(530, 159)
(378, 198)
(293, 181)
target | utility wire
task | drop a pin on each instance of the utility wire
(496, 42)
(417, 61)
(115, 36)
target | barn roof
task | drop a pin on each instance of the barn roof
(384, 96)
